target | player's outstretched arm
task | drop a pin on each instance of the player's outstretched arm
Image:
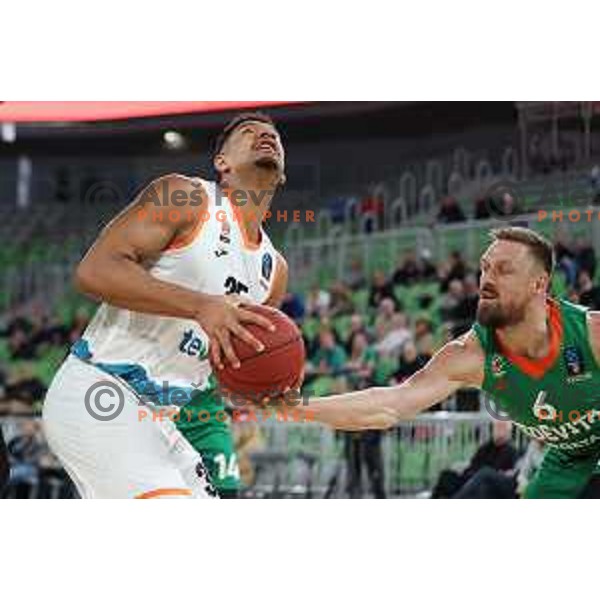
(458, 364)
(115, 269)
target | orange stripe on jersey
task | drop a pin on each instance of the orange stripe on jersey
(177, 243)
(164, 492)
(537, 368)
(240, 219)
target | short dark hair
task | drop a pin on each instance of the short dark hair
(236, 122)
(541, 249)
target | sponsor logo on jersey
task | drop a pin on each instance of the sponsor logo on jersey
(224, 239)
(498, 366)
(193, 345)
(225, 236)
(575, 364)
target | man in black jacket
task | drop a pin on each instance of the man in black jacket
(4, 465)
(497, 456)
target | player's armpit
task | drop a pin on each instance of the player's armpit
(457, 365)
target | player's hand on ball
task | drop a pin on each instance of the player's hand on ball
(223, 317)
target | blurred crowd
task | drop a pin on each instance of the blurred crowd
(31, 348)
(384, 341)
(387, 330)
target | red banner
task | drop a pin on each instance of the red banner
(16, 112)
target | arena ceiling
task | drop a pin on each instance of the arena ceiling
(64, 112)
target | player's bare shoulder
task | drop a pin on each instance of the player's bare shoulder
(463, 360)
(174, 192)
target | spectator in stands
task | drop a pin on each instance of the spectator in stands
(357, 326)
(450, 211)
(391, 342)
(498, 455)
(329, 358)
(20, 346)
(410, 362)
(381, 288)
(585, 257)
(452, 300)
(364, 447)
(372, 207)
(565, 260)
(361, 362)
(455, 268)
(589, 294)
(489, 483)
(318, 301)
(385, 314)
(4, 464)
(595, 183)
(24, 451)
(48, 332)
(293, 306)
(408, 271)
(341, 300)
(23, 389)
(427, 268)
(424, 339)
(482, 208)
(355, 277)
(465, 311)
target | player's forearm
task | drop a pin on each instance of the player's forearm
(124, 283)
(375, 408)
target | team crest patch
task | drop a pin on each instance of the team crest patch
(498, 369)
(267, 266)
(574, 361)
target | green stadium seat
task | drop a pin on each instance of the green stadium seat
(321, 386)
(360, 298)
(384, 369)
(341, 325)
(310, 328)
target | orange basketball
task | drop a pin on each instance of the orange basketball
(268, 373)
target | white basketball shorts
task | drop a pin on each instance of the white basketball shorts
(97, 429)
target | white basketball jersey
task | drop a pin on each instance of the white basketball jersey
(157, 353)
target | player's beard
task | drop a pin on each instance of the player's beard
(494, 314)
(268, 163)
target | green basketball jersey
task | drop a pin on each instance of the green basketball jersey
(206, 425)
(555, 399)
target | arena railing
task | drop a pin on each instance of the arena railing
(309, 460)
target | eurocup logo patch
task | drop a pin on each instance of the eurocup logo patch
(574, 361)
(267, 266)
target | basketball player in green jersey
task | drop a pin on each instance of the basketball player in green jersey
(538, 358)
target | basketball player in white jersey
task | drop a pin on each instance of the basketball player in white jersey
(174, 284)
